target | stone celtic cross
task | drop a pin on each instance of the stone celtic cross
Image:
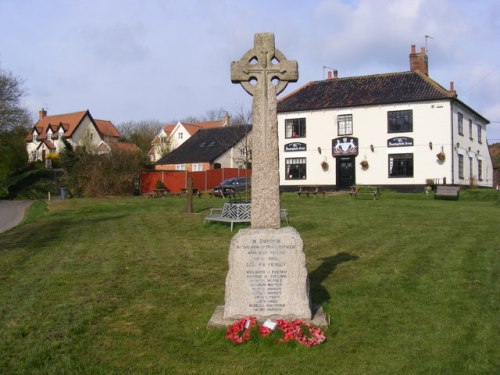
(264, 72)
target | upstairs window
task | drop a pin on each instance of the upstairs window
(479, 134)
(400, 121)
(470, 130)
(61, 132)
(49, 135)
(295, 128)
(35, 135)
(344, 124)
(460, 123)
(180, 135)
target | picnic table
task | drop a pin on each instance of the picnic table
(156, 193)
(362, 190)
(313, 190)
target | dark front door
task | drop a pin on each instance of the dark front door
(345, 172)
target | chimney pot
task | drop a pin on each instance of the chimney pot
(335, 74)
(413, 48)
(329, 74)
(452, 86)
(42, 113)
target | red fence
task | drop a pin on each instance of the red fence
(175, 181)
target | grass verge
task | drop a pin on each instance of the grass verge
(127, 285)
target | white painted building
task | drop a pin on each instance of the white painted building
(396, 129)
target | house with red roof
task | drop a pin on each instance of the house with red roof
(78, 128)
(173, 135)
(401, 130)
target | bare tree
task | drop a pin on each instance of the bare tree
(241, 115)
(12, 114)
(141, 133)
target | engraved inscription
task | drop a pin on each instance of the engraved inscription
(266, 273)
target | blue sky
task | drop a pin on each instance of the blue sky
(166, 60)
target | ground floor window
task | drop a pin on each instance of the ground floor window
(197, 167)
(460, 166)
(295, 168)
(480, 170)
(180, 167)
(400, 165)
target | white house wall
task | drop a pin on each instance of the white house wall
(431, 124)
(233, 158)
(84, 133)
(471, 148)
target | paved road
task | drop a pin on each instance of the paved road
(11, 213)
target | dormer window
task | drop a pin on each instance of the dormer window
(61, 132)
(35, 135)
(49, 135)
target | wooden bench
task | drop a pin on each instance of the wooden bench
(156, 193)
(362, 190)
(447, 191)
(236, 213)
(313, 190)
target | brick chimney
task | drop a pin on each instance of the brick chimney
(335, 74)
(42, 113)
(419, 61)
(227, 120)
(452, 89)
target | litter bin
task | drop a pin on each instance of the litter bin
(64, 193)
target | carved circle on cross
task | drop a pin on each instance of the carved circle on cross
(261, 60)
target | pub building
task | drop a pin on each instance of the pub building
(397, 130)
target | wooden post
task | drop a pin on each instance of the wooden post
(189, 204)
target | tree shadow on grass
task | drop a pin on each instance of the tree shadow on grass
(319, 294)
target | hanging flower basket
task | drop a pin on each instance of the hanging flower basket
(441, 156)
(324, 165)
(364, 164)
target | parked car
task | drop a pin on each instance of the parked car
(232, 186)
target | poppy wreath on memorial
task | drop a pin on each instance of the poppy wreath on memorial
(239, 332)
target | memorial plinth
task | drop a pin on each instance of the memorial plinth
(267, 275)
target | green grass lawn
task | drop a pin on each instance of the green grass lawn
(127, 285)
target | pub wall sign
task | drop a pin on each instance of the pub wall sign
(345, 146)
(295, 146)
(399, 142)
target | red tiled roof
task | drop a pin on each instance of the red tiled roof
(123, 146)
(106, 128)
(49, 144)
(195, 126)
(168, 128)
(69, 121)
